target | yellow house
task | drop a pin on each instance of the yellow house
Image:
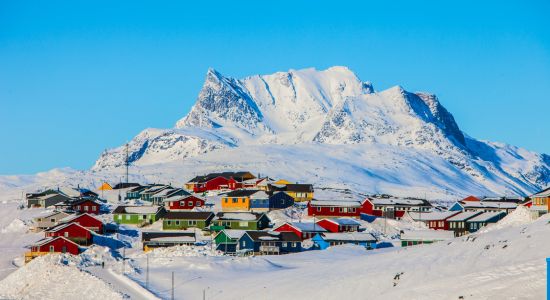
(238, 200)
(541, 202)
(282, 181)
(105, 187)
(300, 192)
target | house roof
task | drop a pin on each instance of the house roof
(343, 221)
(301, 188)
(242, 193)
(239, 216)
(273, 236)
(471, 198)
(80, 201)
(399, 201)
(63, 226)
(123, 209)
(188, 215)
(486, 216)
(427, 235)
(489, 204)
(70, 218)
(124, 185)
(306, 226)
(233, 233)
(227, 175)
(51, 214)
(431, 216)
(335, 203)
(47, 240)
(543, 193)
(180, 198)
(169, 235)
(349, 236)
(463, 216)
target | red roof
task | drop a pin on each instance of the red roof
(471, 198)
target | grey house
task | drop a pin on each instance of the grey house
(46, 200)
(49, 220)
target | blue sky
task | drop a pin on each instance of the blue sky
(79, 77)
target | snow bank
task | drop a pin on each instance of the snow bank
(45, 278)
(520, 216)
(16, 226)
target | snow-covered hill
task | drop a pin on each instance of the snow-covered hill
(330, 127)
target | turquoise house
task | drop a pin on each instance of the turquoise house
(322, 241)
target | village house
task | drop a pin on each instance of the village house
(137, 215)
(394, 208)
(85, 206)
(218, 181)
(269, 243)
(227, 239)
(159, 197)
(240, 220)
(49, 220)
(418, 237)
(134, 193)
(85, 220)
(50, 245)
(334, 208)
(46, 199)
(322, 241)
(340, 224)
(299, 192)
(540, 203)
(484, 206)
(159, 239)
(305, 230)
(457, 223)
(436, 220)
(181, 203)
(147, 194)
(177, 220)
(239, 200)
(481, 220)
(71, 231)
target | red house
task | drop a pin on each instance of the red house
(434, 220)
(218, 181)
(393, 208)
(334, 208)
(339, 225)
(304, 230)
(85, 220)
(86, 206)
(179, 203)
(71, 231)
(52, 245)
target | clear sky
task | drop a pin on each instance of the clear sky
(78, 77)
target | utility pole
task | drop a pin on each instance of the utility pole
(127, 162)
(172, 285)
(203, 294)
(123, 260)
(147, 274)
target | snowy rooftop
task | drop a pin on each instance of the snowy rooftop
(491, 204)
(544, 193)
(348, 236)
(338, 203)
(431, 216)
(346, 221)
(175, 239)
(234, 234)
(72, 217)
(427, 235)
(396, 201)
(463, 216)
(141, 209)
(176, 198)
(485, 216)
(308, 226)
(244, 216)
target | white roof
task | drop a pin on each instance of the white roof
(233, 233)
(163, 192)
(484, 216)
(308, 226)
(259, 195)
(431, 216)
(396, 201)
(348, 236)
(174, 239)
(141, 209)
(490, 204)
(268, 238)
(338, 203)
(346, 221)
(463, 216)
(244, 216)
(545, 193)
(177, 198)
(72, 217)
(51, 214)
(427, 235)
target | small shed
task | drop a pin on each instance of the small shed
(418, 237)
(322, 241)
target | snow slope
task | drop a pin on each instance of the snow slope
(327, 127)
(508, 262)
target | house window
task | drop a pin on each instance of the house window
(283, 244)
(192, 222)
(144, 217)
(353, 209)
(332, 209)
(177, 222)
(52, 220)
(182, 203)
(189, 203)
(66, 234)
(168, 222)
(93, 208)
(78, 207)
(243, 200)
(318, 209)
(225, 200)
(294, 245)
(243, 224)
(64, 249)
(85, 208)
(52, 249)
(234, 200)
(127, 217)
(198, 203)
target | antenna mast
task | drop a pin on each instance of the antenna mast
(127, 162)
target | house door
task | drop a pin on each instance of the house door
(64, 249)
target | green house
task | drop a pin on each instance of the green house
(186, 219)
(240, 221)
(137, 215)
(227, 240)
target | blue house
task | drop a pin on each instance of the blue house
(322, 241)
(475, 223)
(457, 207)
(269, 242)
(261, 201)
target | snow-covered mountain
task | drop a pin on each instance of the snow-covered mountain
(331, 128)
